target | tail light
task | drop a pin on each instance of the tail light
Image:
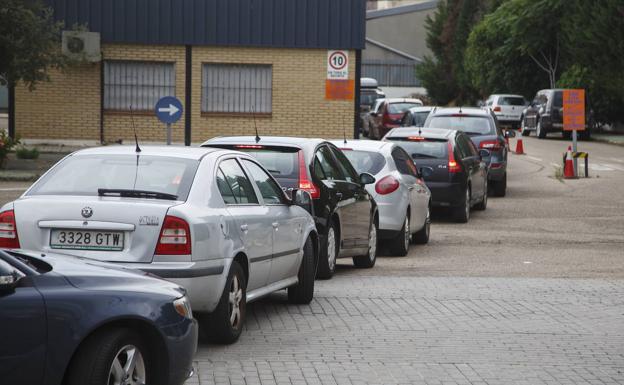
(415, 138)
(304, 181)
(8, 230)
(453, 166)
(497, 109)
(387, 185)
(494, 145)
(175, 237)
(386, 119)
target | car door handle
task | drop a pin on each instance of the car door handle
(275, 225)
(244, 228)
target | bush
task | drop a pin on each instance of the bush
(6, 144)
(25, 153)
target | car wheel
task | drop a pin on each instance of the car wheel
(400, 244)
(114, 356)
(367, 261)
(225, 324)
(303, 291)
(541, 133)
(327, 262)
(523, 129)
(462, 212)
(499, 188)
(422, 236)
(483, 204)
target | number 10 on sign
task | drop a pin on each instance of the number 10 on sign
(337, 65)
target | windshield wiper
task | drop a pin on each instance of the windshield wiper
(136, 194)
(473, 133)
(418, 155)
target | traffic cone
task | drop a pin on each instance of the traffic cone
(568, 167)
(519, 147)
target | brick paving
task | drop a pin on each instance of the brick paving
(432, 330)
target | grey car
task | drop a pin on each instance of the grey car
(214, 221)
(403, 199)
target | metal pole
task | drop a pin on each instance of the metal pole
(168, 134)
(575, 150)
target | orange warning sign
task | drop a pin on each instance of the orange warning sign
(574, 110)
(339, 89)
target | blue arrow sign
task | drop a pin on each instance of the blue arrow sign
(168, 109)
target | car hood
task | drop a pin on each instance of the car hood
(88, 274)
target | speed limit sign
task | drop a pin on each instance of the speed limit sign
(337, 65)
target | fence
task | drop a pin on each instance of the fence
(391, 73)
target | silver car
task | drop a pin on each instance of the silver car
(403, 199)
(214, 221)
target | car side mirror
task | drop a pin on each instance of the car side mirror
(8, 283)
(366, 178)
(373, 113)
(425, 172)
(302, 199)
(510, 134)
(483, 153)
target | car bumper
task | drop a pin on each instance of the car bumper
(203, 280)
(392, 209)
(446, 194)
(181, 342)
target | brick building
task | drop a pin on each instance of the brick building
(226, 60)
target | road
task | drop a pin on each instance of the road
(531, 291)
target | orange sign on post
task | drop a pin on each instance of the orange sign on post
(574, 110)
(339, 89)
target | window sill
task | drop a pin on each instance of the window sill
(129, 113)
(262, 115)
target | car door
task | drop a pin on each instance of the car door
(530, 118)
(359, 208)
(419, 200)
(287, 226)
(23, 330)
(472, 163)
(254, 225)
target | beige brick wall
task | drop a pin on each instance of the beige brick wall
(69, 106)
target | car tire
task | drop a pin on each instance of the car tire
(95, 360)
(421, 237)
(499, 188)
(219, 327)
(541, 133)
(481, 206)
(368, 261)
(461, 214)
(523, 129)
(327, 260)
(303, 291)
(399, 245)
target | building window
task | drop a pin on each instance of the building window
(237, 88)
(137, 84)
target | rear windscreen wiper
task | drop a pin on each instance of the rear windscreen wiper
(417, 155)
(136, 194)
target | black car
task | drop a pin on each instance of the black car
(453, 169)
(482, 127)
(345, 214)
(66, 320)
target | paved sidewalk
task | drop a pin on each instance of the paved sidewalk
(403, 330)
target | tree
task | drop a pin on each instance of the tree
(29, 42)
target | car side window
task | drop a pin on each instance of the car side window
(406, 119)
(404, 163)
(472, 147)
(269, 189)
(346, 167)
(464, 150)
(235, 187)
(329, 169)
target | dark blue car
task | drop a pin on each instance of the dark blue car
(65, 320)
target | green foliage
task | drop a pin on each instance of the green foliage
(6, 144)
(27, 153)
(29, 41)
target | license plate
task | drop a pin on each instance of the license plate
(87, 240)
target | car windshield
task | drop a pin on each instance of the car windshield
(85, 175)
(476, 125)
(427, 148)
(365, 161)
(511, 101)
(420, 118)
(368, 98)
(399, 108)
(281, 163)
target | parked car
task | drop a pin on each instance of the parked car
(345, 214)
(453, 168)
(369, 94)
(545, 115)
(507, 108)
(369, 118)
(415, 116)
(482, 128)
(389, 115)
(70, 321)
(213, 221)
(403, 199)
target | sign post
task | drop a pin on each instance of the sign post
(574, 117)
(168, 110)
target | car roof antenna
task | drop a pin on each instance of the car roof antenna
(136, 139)
(344, 131)
(253, 115)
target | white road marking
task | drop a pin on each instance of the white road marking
(555, 165)
(600, 167)
(534, 158)
(617, 160)
(614, 166)
(527, 262)
(14, 189)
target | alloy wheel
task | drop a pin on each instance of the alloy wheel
(331, 248)
(372, 242)
(467, 208)
(128, 367)
(408, 233)
(428, 222)
(235, 298)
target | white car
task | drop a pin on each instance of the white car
(402, 198)
(507, 108)
(214, 221)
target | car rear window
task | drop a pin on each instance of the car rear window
(281, 162)
(365, 161)
(475, 125)
(85, 174)
(510, 101)
(368, 98)
(419, 118)
(423, 148)
(399, 108)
